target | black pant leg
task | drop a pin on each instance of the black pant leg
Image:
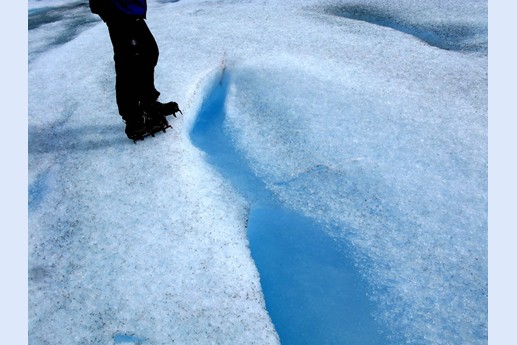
(149, 62)
(136, 55)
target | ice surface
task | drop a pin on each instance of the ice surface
(56, 24)
(395, 177)
(313, 291)
(452, 25)
(361, 127)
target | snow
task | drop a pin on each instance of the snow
(357, 123)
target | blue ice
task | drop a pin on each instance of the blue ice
(314, 293)
(38, 189)
(121, 338)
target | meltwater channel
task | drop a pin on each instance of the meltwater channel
(313, 292)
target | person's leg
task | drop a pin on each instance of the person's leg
(150, 96)
(123, 54)
(148, 59)
(135, 55)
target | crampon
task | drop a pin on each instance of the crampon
(155, 120)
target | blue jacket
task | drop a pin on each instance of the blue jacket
(119, 9)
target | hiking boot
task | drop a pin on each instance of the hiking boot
(155, 123)
(135, 127)
(162, 109)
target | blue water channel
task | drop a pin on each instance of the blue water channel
(313, 292)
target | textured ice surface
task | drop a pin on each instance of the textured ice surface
(402, 175)
(360, 126)
(125, 240)
(313, 291)
(56, 23)
(451, 25)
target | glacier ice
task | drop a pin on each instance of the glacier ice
(371, 132)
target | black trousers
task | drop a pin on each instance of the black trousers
(136, 55)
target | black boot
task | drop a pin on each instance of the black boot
(155, 123)
(160, 109)
(155, 115)
(135, 127)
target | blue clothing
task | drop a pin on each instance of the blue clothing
(110, 10)
(134, 8)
